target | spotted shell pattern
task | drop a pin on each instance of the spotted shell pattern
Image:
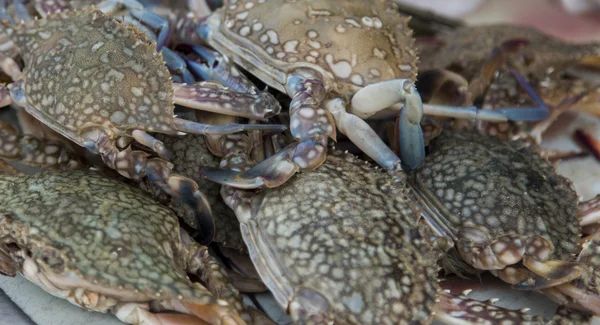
(346, 237)
(85, 223)
(355, 43)
(84, 68)
(502, 187)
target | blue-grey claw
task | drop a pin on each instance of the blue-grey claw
(177, 64)
(411, 142)
(228, 177)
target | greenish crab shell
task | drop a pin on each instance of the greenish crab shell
(477, 180)
(83, 229)
(351, 43)
(85, 69)
(342, 244)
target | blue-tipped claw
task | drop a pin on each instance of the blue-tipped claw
(411, 142)
(218, 68)
(177, 64)
(229, 177)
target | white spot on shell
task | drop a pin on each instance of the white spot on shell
(357, 79)
(290, 46)
(352, 22)
(256, 27)
(312, 34)
(340, 29)
(404, 67)
(379, 53)
(273, 37)
(367, 21)
(242, 15)
(245, 31)
(341, 69)
(377, 23)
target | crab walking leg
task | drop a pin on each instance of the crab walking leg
(33, 151)
(219, 68)
(136, 165)
(461, 310)
(213, 97)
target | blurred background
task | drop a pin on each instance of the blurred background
(571, 20)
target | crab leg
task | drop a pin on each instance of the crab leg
(309, 123)
(33, 151)
(135, 165)
(220, 69)
(213, 97)
(460, 310)
(151, 142)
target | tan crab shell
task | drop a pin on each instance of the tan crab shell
(351, 43)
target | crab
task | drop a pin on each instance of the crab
(326, 55)
(106, 246)
(310, 239)
(95, 80)
(499, 203)
(560, 73)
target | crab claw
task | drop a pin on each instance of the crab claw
(552, 273)
(274, 171)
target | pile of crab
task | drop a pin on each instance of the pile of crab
(166, 182)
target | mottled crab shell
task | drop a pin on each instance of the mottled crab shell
(346, 245)
(352, 43)
(83, 69)
(502, 187)
(83, 229)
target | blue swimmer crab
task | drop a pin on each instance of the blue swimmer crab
(342, 244)
(502, 206)
(95, 81)
(108, 247)
(328, 55)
